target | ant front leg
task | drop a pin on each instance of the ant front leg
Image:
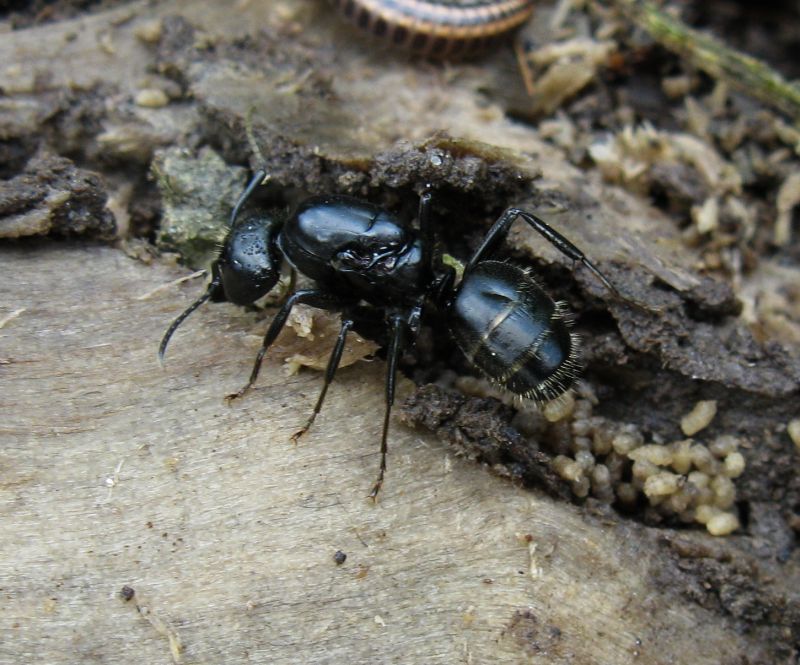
(499, 231)
(313, 297)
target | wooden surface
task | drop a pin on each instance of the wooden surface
(118, 472)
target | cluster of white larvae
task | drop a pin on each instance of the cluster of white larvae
(684, 479)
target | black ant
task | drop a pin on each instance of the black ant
(506, 325)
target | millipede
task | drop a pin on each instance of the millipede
(438, 28)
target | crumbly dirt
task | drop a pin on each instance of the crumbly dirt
(54, 197)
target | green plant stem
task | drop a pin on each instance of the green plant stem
(740, 71)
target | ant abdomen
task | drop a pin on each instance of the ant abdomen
(513, 332)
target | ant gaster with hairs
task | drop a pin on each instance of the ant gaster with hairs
(505, 324)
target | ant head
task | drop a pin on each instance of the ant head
(247, 268)
(249, 264)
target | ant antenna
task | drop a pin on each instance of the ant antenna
(260, 177)
(251, 137)
(162, 348)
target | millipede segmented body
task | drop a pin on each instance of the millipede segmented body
(438, 28)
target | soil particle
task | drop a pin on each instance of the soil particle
(479, 429)
(53, 195)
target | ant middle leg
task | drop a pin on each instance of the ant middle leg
(330, 371)
(402, 326)
(396, 345)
